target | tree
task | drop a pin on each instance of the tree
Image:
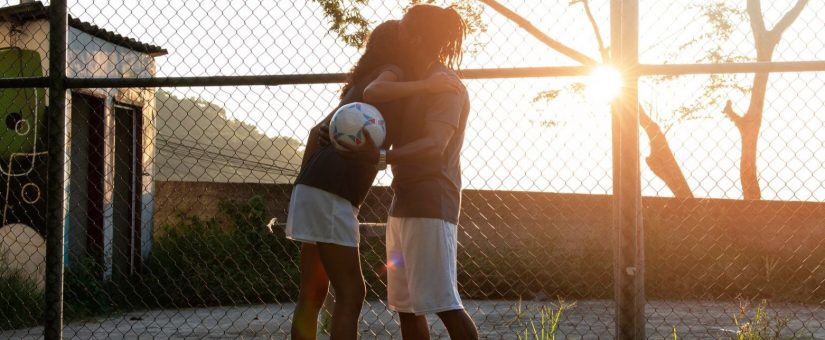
(750, 123)
(347, 22)
(661, 160)
(720, 16)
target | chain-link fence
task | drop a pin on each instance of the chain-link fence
(168, 162)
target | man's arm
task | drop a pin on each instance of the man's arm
(442, 120)
(428, 148)
(425, 149)
(387, 87)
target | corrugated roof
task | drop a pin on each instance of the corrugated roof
(36, 10)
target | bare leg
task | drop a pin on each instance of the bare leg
(414, 327)
(343, 266)
(459, 325)
(313, 290)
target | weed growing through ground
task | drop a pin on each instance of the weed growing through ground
(548, 323)
(762, 326)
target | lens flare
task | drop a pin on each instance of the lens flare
(604, 84)
(394, 262)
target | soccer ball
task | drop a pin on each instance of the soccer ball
(349, 121)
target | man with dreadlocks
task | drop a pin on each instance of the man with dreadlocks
(425, 158)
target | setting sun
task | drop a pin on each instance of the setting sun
(604, 84)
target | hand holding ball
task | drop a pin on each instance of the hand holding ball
(349, 122)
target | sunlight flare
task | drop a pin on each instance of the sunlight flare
(604, 84)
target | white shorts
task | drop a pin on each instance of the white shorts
(316, 215)
(421, 266)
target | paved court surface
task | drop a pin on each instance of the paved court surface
(496, 320)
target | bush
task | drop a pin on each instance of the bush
(21, 302)
(763, 325)
(230, 259)
(86, 292)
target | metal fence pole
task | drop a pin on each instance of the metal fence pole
(491, 73)
(628, 261)
(56, 118)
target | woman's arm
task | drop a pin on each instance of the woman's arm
(387, 88)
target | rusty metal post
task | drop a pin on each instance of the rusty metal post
(58, 19)
(628, 240)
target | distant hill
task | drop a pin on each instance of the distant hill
(197, 142)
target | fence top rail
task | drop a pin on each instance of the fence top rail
(498, 73)
(756, 67)
(24, 82)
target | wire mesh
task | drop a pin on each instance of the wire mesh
(176, 197)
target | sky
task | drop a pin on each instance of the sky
(507, 147)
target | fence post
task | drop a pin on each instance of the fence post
(628, 233)
(58, 19)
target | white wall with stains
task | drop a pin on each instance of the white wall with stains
(89, 56)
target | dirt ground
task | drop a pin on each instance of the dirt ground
(495, 319)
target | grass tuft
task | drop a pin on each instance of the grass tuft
(548, 324)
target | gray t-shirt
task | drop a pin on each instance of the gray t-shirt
(431, 189)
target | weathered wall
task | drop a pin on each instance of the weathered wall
(546, 244)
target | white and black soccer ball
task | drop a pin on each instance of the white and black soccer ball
(349, 121)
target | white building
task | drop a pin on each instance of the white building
(109, 212)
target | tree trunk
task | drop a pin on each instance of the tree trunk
(661, 160)
(749, 126)
(750, 123)
(747, 168)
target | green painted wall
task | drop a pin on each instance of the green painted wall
(22, 111)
